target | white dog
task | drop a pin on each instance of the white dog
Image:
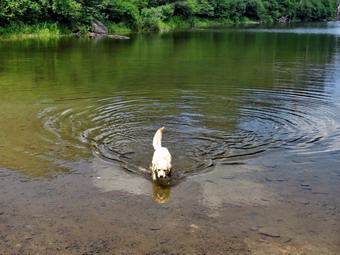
(161, 160)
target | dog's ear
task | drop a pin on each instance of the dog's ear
(168, 166)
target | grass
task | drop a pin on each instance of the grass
(179, 23)
(117, 28)
(26, 30)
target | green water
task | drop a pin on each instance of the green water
(221, 93)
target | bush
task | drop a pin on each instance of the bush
(236, 9)
(123, 11)
(23, 10)
(204, 8)
(255, 10)
(152, 18)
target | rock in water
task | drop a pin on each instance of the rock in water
(98, 27)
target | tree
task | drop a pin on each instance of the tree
(149, 14)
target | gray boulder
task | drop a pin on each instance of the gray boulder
(98, 27)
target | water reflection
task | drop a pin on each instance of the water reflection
(331, 28)
(224, 186)
(109, 177)
(161, 194)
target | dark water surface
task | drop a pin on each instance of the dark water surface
(252, 117)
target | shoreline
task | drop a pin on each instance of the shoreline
(122, 32)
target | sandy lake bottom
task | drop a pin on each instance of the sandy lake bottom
(240, 209)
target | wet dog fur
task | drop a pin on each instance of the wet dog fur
(161, 160)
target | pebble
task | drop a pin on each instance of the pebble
(274, 179)
(319, 191)
(296, 161)
(154, 229)
(229, 177)
(302, 201)
(254, 228)
(37, 215)
(286, 239)
(271, 166)
(261, 240)
(269, 231)
(194, 226)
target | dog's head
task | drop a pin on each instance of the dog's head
(162, 169)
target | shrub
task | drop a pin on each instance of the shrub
(255, 10)
(123, 11)
(152, 18)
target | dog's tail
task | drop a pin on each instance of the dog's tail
(157, 139)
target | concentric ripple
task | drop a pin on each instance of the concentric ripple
(200, 127)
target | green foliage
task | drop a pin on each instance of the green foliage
(122, 11)
(68, 11)
(255, 10)
(156, 14)
(204, 8)
(237, 9)
(152, 18)
(23, 10)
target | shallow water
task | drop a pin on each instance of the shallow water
(252, 120)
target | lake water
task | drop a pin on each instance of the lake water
(252, 120)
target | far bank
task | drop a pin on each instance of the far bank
(55, 17)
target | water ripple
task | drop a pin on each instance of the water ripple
(200, 128)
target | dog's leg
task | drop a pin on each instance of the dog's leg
(154, 177)
(153, 172)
